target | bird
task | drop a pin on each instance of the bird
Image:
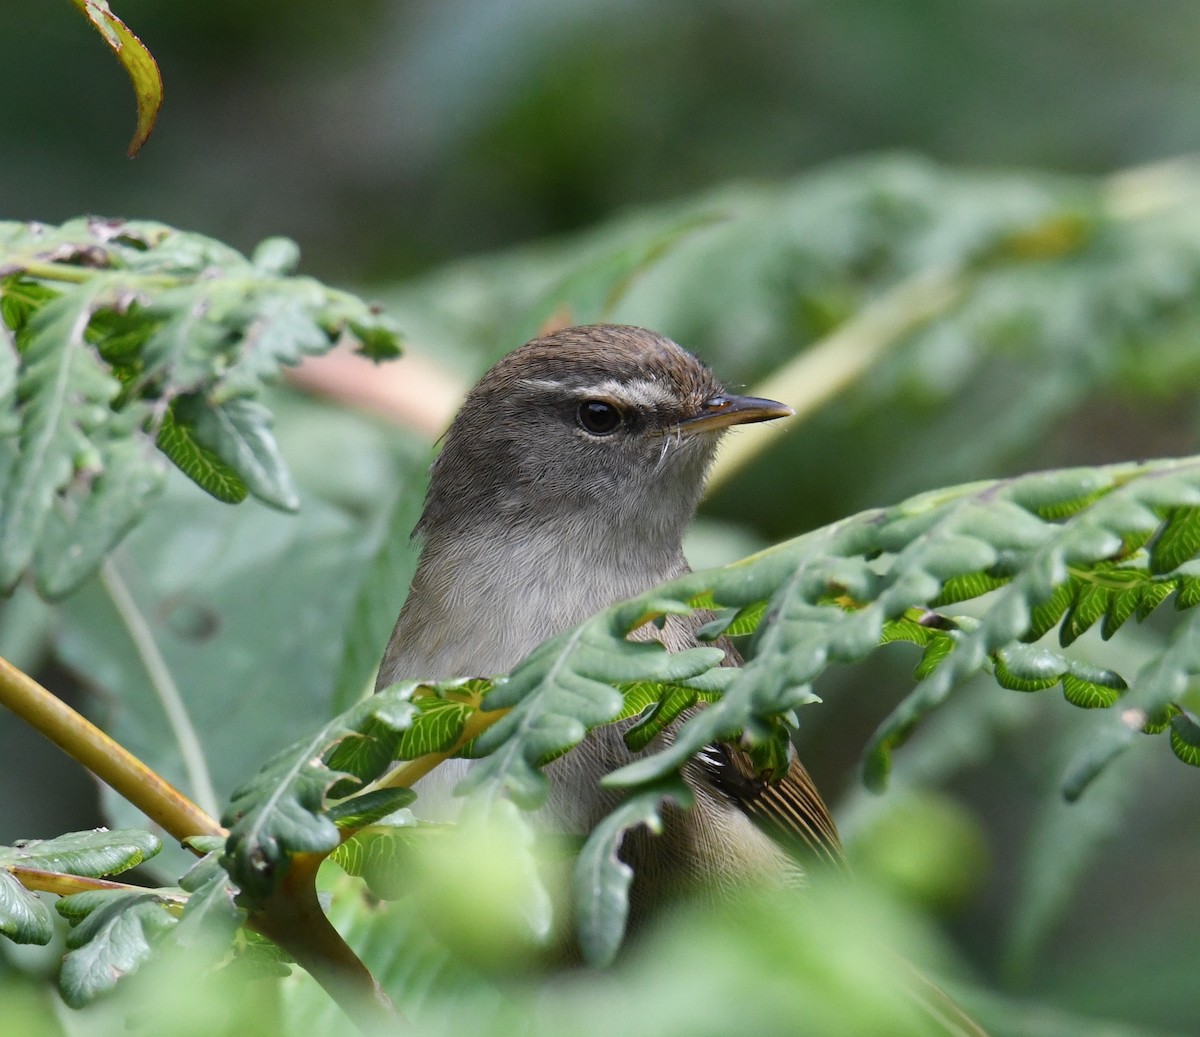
(565, 484)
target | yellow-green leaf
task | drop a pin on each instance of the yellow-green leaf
(138, 62)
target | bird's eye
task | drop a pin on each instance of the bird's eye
(599, 417)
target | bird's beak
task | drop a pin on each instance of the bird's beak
(722, 411)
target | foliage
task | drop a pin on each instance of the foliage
(118, 335)
(828, 597)
(979, 577)
(23, 916)
(136, 60)
(1065, 304)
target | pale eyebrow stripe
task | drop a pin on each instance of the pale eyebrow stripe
(638, 392)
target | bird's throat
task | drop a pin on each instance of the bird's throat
(481, 602)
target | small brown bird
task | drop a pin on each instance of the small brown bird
(565, 485)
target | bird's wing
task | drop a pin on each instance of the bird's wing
(789, 810)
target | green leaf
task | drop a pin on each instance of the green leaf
(211, 916)
(239, 433)
(1092, 687)
(969, 585)
(64, 392)
(733, 623)
(115, 322)
(204, 844)
(10, 363)
(24, 916)
(659, 703)
(440, 713)
(1189, 592)
(921, 627)
(1044, 616)
(1084, 539)
(960, 556)
(1152, 595)
(256, 957)
(602, 880)
(276, 257)
(274, 330)
(200, 464)
(1122, 604)
(1029, 668)
(71, 550)
(746, 619)
(369, 808)
(671, 700)
(563, 689)
(114, 934)
(1178, 541)
(936, 652)
(362, 754)
(137, 61)
(92, 854)
(1185, 738)
(20, 299)
(1091, 603)
(1056, 496)
(907, 628)
(282, 810)
(440, 720)
(378, 855)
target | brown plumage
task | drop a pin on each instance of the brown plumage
(538, 515)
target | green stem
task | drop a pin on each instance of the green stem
(44, 271)
(113, 764)
(64, 885)
(164, 686)
(407, 774)
(294, 919)
(836, 361)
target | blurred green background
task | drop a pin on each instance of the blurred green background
(476, 163)
(389, 136)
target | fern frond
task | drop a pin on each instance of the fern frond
(118, 336)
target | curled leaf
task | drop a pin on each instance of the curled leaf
(137, 61)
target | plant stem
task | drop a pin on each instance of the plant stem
(164, 687)
(113, 764)
(826, 368)
(413, 771)
(64, 885)
(293, 918)
(45, 271)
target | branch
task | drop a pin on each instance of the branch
(65, 885)
(113, 764)
(824, 370)
(163, 685)
(407, 774)
(293, 918)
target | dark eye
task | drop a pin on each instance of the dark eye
(599, 417)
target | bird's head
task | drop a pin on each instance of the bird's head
(607, 426)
